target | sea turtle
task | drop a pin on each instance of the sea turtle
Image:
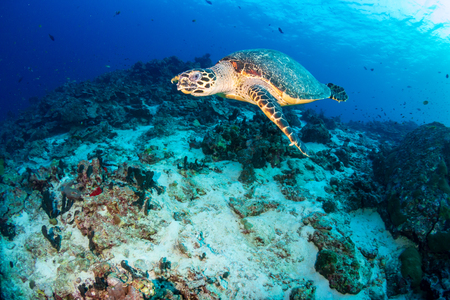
(267, 78)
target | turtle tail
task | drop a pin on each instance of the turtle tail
(337, 93)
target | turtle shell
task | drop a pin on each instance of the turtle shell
(290, 79)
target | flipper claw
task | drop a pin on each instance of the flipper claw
(272, 109)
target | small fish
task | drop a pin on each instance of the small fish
(239, 7)
(425, 102)
(20, 79)
(365, 68)
(371, 69)
(51, 37)
(117, 13)
(193, 21)
(209, 2)
(279, 29)
(446, 76)
(108, 66)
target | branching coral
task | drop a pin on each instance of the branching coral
(191, 166)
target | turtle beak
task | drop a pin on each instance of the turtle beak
(175, 79)
(183, 83)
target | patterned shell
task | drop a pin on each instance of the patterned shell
(286, 75)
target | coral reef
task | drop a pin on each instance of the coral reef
(416, 178)
(244, 208)
(338, 259)
(316, 132)
(121, 188)
(254, 142)
(306, 291)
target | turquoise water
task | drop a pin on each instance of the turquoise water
(405, 44)
(116, 184)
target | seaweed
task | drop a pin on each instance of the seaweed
(146, 207)
(179, 216)
(7, 230)
(91, 242)
(35, 181)
(59, 171)
(48, 204)
(144, 179)
(83, 289)
(191, 166)
(89, 171)
(234, 115)
(52, 237)
(134, 272)
(164, 264)
(100, 283)
(140, 201)
(66, 205)
(163, 286)
(203, 256)
(2, 167)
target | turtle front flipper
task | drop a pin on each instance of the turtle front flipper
(273, 111)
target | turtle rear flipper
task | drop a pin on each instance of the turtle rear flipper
(337, 93)
(270, 107)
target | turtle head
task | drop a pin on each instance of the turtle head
(197, 82)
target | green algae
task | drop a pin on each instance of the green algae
(326, 262)
(2, 167)
(442, 171)
(444, 210)
(412, 266)
(439, 241)
(393, 207)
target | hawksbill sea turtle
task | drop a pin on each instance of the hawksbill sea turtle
(267, 78)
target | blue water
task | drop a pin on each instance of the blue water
(407, 46)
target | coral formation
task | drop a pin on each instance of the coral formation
(337, 260)
(412, 266)
(305, 291)
(144, 193)
(2, 166)
(417, 196)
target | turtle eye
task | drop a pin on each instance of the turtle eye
(195, 76)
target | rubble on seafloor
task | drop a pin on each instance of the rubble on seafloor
(121, 188)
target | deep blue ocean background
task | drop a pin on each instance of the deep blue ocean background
(392, 57)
